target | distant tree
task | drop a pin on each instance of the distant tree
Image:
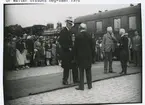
(15, 30)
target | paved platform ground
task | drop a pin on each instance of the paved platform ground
(31, 85)
(125, 89)
(32, 72)
(39, 71)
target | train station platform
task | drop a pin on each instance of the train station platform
(21, 86)
(124, 89)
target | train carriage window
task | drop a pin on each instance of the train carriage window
(99, 26)
(117, 24)
(132, 22)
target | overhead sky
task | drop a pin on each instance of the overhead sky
(29, 15)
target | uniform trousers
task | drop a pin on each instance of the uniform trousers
(74, 73)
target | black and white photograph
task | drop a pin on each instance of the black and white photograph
(72, 54)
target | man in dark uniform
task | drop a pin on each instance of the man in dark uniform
(83, 55)
(65, 42)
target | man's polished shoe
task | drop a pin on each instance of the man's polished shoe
(65, 83)
(105, 72)
(76, 82)
(89, 87)
(121, 72)
(79, 89)
(111, 72)
(124, 73)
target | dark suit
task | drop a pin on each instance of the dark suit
(124, 53)
(83, 55)
(65, 42)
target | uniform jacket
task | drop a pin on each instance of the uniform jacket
(108, 43)
(65, 42)
(83, 50)
(136, 43)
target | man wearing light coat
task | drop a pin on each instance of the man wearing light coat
(108, 47)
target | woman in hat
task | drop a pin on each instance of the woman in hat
(123, 51)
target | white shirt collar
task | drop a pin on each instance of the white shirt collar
(67, 28)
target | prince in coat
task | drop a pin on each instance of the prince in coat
(84, 52)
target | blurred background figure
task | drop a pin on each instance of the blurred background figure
(19, 56)
(10, 52)
(48, 53)
(39, 56)
(24, 53)
(58, 52)
(136, 46)
(99, 52)
(129, 49)
(30, 50)
(54, 61)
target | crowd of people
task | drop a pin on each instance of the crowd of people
(30, 51)
(34, 51)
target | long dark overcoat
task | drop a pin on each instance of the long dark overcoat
(65, 42)
(84, 50)
(124, 48)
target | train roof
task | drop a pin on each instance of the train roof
(107, 14)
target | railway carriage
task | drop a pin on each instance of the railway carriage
(128, 18)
